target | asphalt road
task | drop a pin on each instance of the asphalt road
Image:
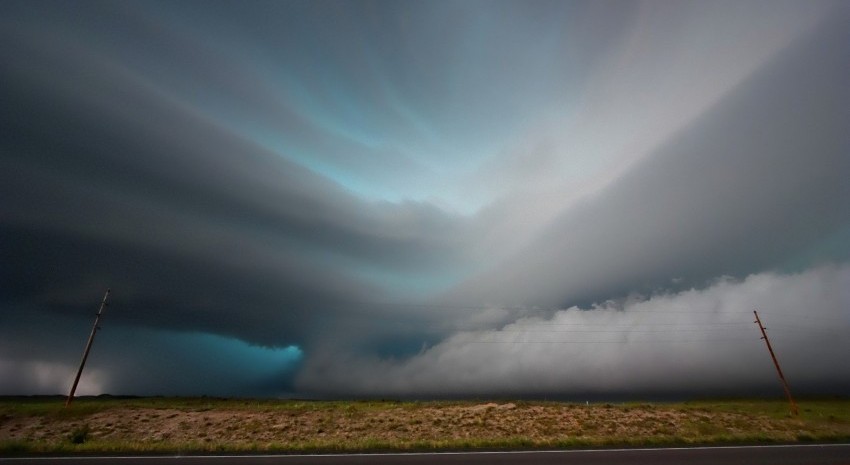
(833, 454)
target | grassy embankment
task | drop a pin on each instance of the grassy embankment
(165, 425)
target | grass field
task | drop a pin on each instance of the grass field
(203, 425)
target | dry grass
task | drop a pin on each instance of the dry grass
(204, 425)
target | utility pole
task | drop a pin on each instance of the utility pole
(94, 329)
(794, 409)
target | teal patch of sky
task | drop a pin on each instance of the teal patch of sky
(237, 353)
(351, 132)
(331, 108)
(447, 125)
(242, 364)
(364, 177)
(399, 109)
(310, 158)
(294, 148)
(359, 106)
(207, 363)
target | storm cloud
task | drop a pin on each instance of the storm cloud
(755, 182)
(697, 341)
(366, 198)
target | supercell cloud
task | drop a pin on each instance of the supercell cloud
(694, 341)
(581, 199)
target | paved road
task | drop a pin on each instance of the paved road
(835, 454)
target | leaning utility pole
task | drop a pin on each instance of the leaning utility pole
(794, 409)
(94, 329)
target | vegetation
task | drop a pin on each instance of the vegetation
(107, 425)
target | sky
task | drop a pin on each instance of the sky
(444, 199)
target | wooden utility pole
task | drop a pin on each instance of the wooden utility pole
(794, 409)
(94, 329)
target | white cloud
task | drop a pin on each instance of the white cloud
(39, 377)
(695, 341)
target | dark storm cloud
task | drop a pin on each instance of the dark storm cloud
(756, 183)
(109, 181)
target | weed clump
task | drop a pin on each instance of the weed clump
(79, 435)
